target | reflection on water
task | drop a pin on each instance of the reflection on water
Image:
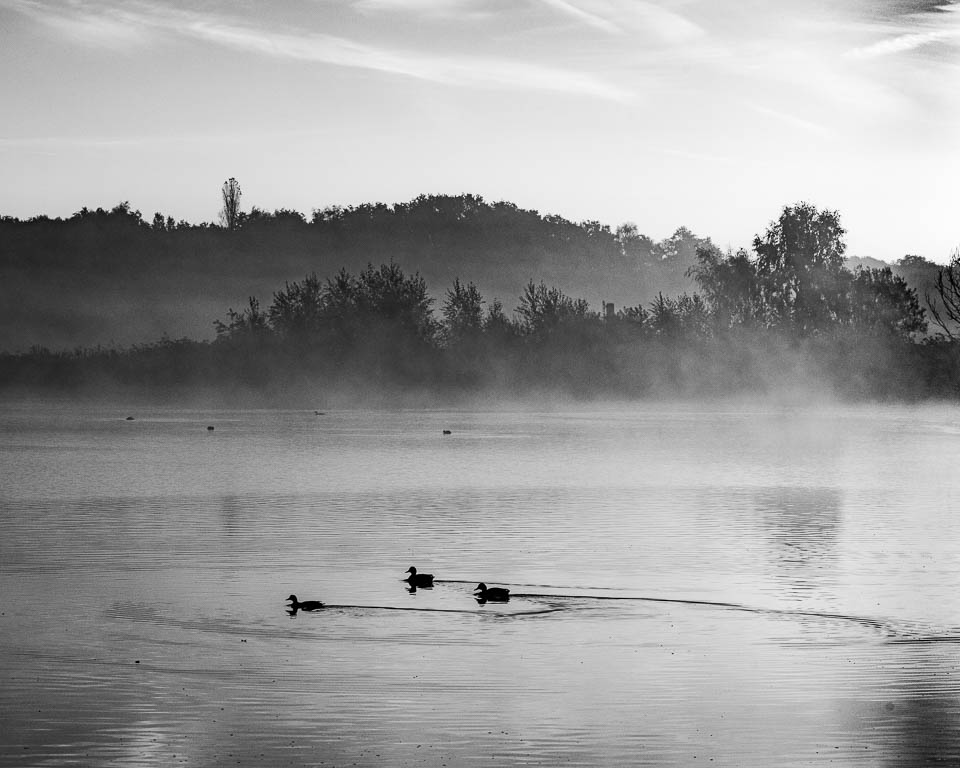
(686, 586)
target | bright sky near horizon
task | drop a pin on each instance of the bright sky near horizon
(712, 114)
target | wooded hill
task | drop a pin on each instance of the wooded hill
(111, 277)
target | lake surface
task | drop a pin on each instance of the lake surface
(690, 586)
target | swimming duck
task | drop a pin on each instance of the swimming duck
(419, 579)
(496, 594)
(306, 605)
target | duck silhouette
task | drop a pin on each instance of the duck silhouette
(418, 579)
(493, 594)
(306, 605)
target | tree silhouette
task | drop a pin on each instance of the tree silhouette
(463, 313)
(800, 267)
(230, 213)
(948, 288)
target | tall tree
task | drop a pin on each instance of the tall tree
(800, 268)
(230, 213)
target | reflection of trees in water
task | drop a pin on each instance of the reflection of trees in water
(925, 730)
(802, 525)
(915, 718)
(231, 512)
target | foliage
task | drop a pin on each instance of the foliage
(463, 313)
(230, 212)
(730, 286)
(251, 321)
(798, 283)
(947, 316)
(790, 310)
(883, 302)
(543, 310)
(800, 268)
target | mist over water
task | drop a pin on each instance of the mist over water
(729, 583)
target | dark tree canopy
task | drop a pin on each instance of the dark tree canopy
(800, 267)
(798, 283)
(542, 310)
(463, 312)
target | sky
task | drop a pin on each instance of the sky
(710, 114)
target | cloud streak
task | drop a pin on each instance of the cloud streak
(578, 14)
(798, 122)
(619, 17)
(110, 25)
(939, 24)
(904, 43)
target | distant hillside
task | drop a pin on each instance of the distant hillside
(113, 278)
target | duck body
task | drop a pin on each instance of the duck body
(493, 594)
(419, 579)
(306, 605)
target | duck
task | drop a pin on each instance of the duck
(496, 594)
(306, 605)
(419, 579)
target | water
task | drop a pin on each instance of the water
(691, 585)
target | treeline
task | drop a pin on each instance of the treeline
(788, 318)
(118, 277)
(104, 276)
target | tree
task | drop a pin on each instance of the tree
(496, 325)
(230, 213)
(948, 289)
(463, 312)
(543, 309)
(730, 285)
(297, 311)
(800, 268)
(248, 323)
(386, 295)
(883, 302)
(634, 246)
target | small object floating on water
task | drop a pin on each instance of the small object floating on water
(419, 579)
(493, 594)
(209, 429)
(306, 605)
(447, 432)
(129, 418)
(320, 413)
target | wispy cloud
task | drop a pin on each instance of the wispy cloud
(52, 145)
(797, 122)
(650, 19)
(578, 14)
(937, 24)
(87, 20)
(450, 70)
(666, 24)
(436, 8)
(110, 28)
(904, 43)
